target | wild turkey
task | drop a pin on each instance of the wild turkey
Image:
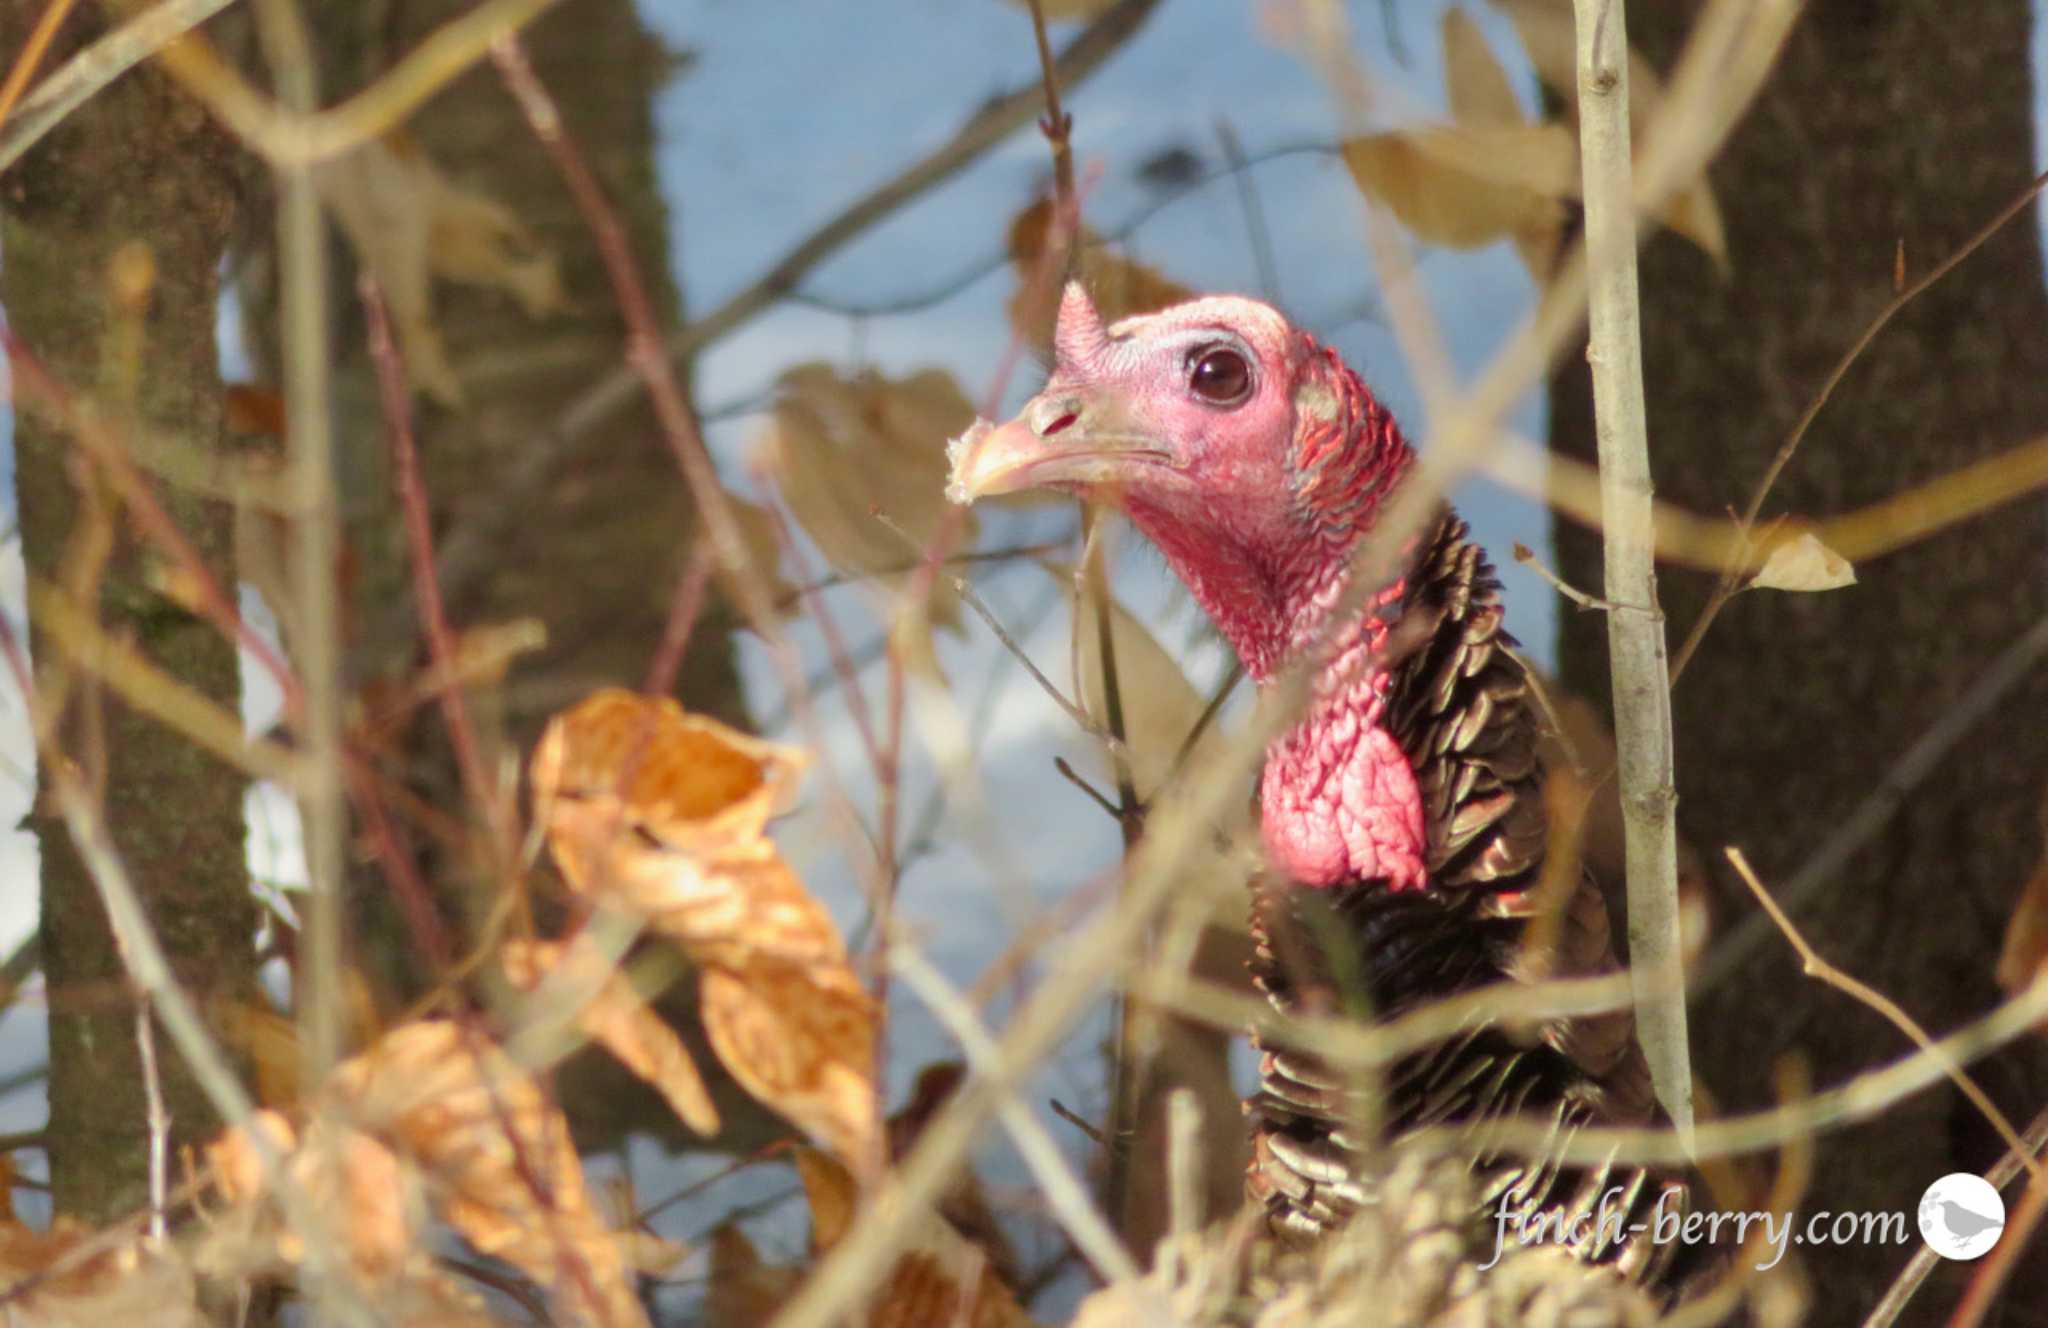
(1402, 815)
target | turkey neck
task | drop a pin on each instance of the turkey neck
(1338, 800)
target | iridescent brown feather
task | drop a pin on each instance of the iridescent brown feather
(1461, 708)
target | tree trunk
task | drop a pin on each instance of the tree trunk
(139, 164)
(1904, 124)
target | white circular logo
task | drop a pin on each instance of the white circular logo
(1961, 1216)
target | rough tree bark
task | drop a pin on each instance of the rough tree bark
(1885, 125)
(140, 163)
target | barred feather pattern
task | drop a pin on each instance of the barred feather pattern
(1460, 707)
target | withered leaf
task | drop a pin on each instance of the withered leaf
(410, 224)
(661, 814)
(841, 450)
(506, 1174)
(1464, 187)
(1804, 563)
(833, 1196)
(1477, 87)
(619, 1021)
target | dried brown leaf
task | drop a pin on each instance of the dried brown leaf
(1480, 94)
(505, 1172)
(410, 224)
(617, 1019)
(762, 535)
(130, 1283)
(661, 814)
(833, 1195)
(801, 1038)
(1803, 563)
(629, 765)
(1464, 187)
(842, 449)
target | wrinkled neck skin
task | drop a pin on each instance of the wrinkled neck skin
(1337, 798)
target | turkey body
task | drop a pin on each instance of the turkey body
(1402, 812)
(1461, 707)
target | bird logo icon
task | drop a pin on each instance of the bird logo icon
(1961, 1216)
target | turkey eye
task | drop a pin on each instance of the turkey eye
(1221, 377)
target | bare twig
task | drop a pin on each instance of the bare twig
(426, 590)
(31, 54)
(470, 552)
(2013, 666)
(1239, 166)
(1063, 1191)
(159, 1117)
(1814, 966)
(683, 609)
(96, 66)
(316, 545)
(1731, 576)
(1526, 556)
(1902, 1289)
(1635, 640)
(1993, 1273)
(287, 137)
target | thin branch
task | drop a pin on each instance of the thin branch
(290, 137)
(1814, 966)
(684, 607)
(95, 67)
(1526, 556)
(1731, 576)
(1642, 693)
(31, 54)
(1239, 167)
(159, 1117)
(1063, 1191)
(2014, 665)
(316, 547)
(470, 552)
(1903, 1288)
(426, 590)
(1994, 1272)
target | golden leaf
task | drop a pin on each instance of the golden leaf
(127, 1282)
(801, 1038)
(662, 814)
(1466, 187)
(833, 1196)
(1119, 286)
(507, 1174)
(409, 224)
(841, 450)
(1804, 563)
(618, 1020)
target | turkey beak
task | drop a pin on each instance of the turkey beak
(1065, 439)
